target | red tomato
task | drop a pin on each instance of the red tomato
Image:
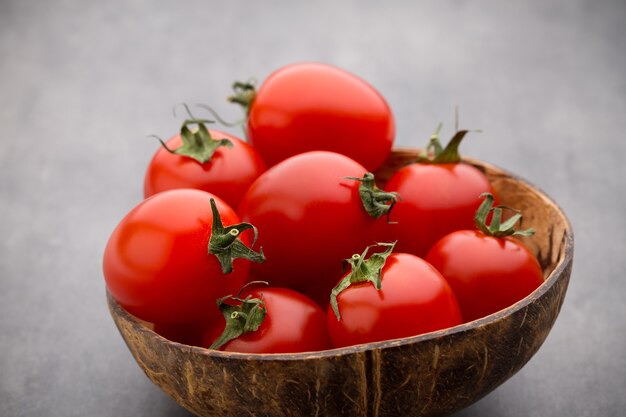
(310, 218)
(228, 173)
(157, 265)
(414, 298)
(310, 106)
(436, 199)
(293, 323)
(486, 273)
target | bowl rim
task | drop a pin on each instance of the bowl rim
(553, 277)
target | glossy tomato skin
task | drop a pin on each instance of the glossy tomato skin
(293, 323)
(437, 199)
(311, 106)
(156, 262)
(228, 174)
(414, 299)
(310, 218)
(486, 273)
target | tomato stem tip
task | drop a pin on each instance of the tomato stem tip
(498, 228)
(376, 202)
(197, 142)
(244, 94)
(363, 270)
(435, 153)
(226, 245)
(244, 317)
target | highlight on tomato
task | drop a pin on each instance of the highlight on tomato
(488, 269)
(312, 106)
(173, 254)
(388, 296)
(269, 320)
(312, 211)
(203, 159)
(439, 195)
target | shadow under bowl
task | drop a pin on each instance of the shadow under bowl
(427, 375)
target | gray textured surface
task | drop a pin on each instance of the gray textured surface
(83, 83)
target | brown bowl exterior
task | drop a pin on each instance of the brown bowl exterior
(428, 375)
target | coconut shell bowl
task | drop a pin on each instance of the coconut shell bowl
(426, 375)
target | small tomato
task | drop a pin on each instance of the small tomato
(487, 269)
(311, 106)
(311, 213)
(269, 320)
(203, 159)
(389, 296)
(171, 256)
(439, 195)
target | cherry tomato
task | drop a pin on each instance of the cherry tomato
(311, 106)
(440, 194)
(486, 273)
(228, 173)
(310, 217)
(413, 299)
(436, 199)
(156, 262)
(292, 323)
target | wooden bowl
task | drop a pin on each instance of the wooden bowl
(426, 375)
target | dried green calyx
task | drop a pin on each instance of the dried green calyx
(375, 201)
(363, 270)
(437, 154)
(226, 245)
(498, 228)
(243, 94)
(245, 316)
(197, 142)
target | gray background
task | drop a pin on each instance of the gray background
(83, 83)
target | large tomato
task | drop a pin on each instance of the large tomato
(487, 269)
(227, 173)
(412, 298)
(157, 263)
(311, 106)
(438, 197)
(310, 217)
(290, 322)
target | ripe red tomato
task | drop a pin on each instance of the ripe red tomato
(413, 299)
(311, 106)
(440, 194)
(292, 323)
(436, 199)
(310, 217)
(486, 273)
(156, 262)
(228, 173)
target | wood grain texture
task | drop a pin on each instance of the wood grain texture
(427, 375)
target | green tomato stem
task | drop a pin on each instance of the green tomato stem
(363, 270)
(197, 143)
(435, 153)
(244, 317)
(226, 245)
(244, 94)
(376, 202)
(496, 227)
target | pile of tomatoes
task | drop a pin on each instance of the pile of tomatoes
(287, 242)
